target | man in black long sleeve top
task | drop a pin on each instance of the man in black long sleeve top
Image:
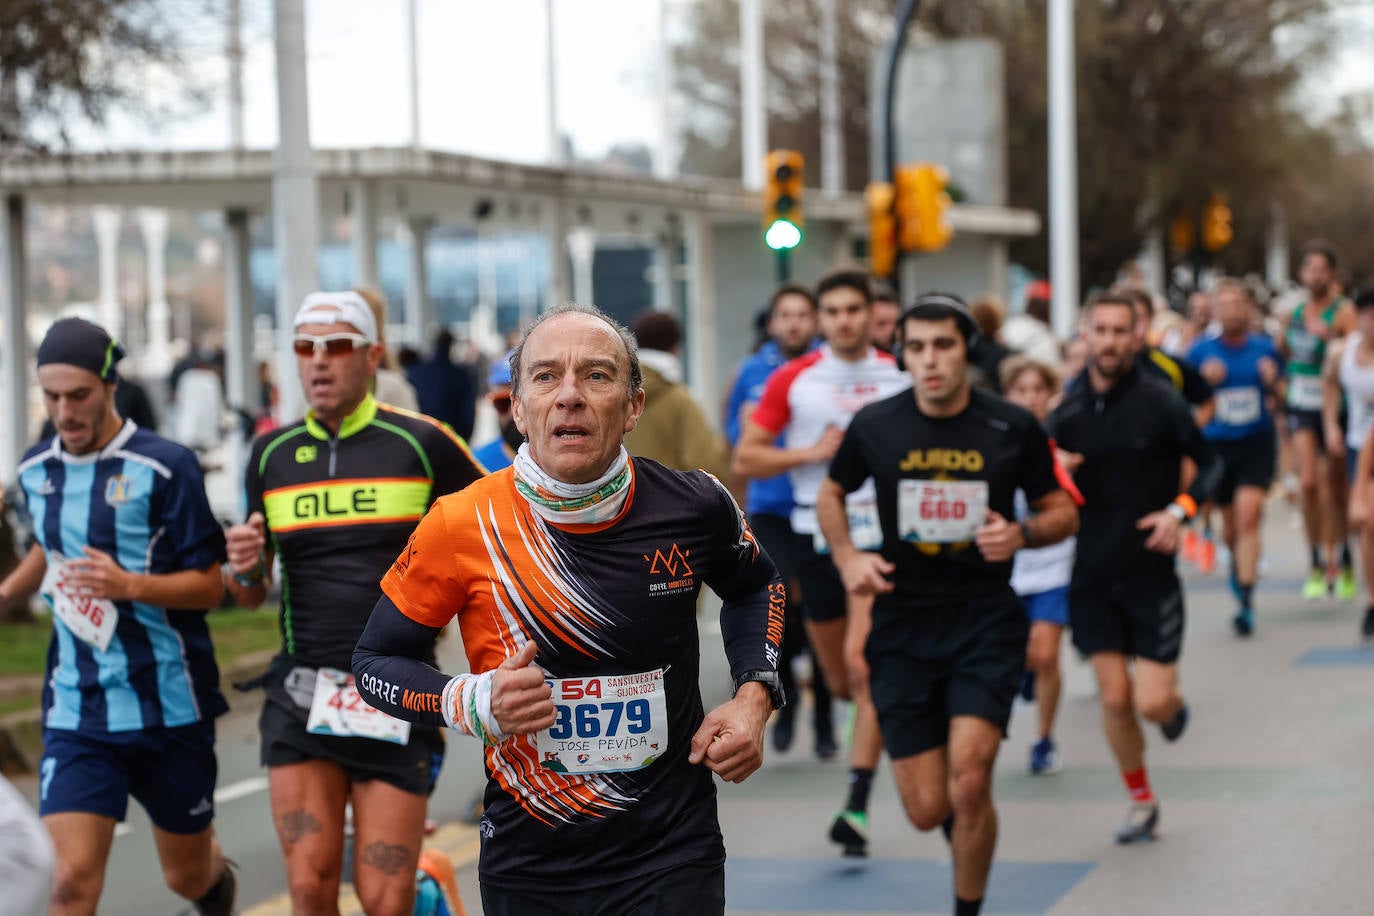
(573, 577)
(1124, 435)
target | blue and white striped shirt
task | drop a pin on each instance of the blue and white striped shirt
(141, 499)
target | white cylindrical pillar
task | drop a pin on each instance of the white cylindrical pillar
(156, 359)
(832, 123)
(105, 221)
(1063, 170)
(419, 314)
(582, 248)
(753, 102)
(701, 318)
(362, 198)
(14, 314)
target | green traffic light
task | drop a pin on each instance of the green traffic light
(782, 235)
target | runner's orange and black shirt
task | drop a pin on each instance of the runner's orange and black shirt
(619, 598)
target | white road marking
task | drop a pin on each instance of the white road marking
(240, 789)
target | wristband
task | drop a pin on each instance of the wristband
(253, 576)
(1025, 532)
(1187, 504)
(1179, 513)
(467, 708)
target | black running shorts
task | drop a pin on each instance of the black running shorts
(412, 767)
(688, 890)
(929, 665)
(1140, 617)
(822, 588)
(1248, 462)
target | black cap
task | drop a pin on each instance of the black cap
(934, 306)
(81, 343)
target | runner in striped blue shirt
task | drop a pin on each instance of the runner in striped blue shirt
(128, 556)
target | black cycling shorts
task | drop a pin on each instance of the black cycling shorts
(412, 767)
(822, 588)
(928, 666)
(688, 890)
(1248, 462)
(1140, 617)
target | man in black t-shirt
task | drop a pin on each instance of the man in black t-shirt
(948, 640)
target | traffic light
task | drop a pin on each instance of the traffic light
(922, 203)
(782, 202)
(1182, 234)
(880, 196)
(1216, 224)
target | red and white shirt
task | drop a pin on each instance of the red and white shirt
(816, 391)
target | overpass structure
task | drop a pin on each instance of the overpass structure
(711, 267)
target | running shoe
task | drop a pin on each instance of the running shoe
(1027, 688)
(1244, 621)
(849, 829)
(1140, 824)
(225, 900)
(1367, 628)
(1346, 586)
(826, 749)
(1173, 729)
(1314, 589)
(1044, 758)
(1206, 556)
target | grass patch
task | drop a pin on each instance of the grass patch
(24, 646)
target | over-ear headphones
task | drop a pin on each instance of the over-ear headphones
(935, 306)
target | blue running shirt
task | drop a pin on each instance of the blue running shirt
(141, 499)
(1242, 408)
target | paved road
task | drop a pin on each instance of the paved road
(1268, 799)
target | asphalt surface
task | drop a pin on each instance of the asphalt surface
(1268, 799)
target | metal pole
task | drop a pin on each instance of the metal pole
(1276, 269)
(550, 86)
(889, 149)
(665, 161)
(295, 197)
(832, 126)
(753, 103)
(234, 51)
(1063, 171)
(784, 262)
(240, 369)
(14, 433)
(412, 21)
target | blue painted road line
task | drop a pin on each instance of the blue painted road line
(1336, 657)
(890, 885)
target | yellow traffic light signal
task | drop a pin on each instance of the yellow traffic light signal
(881, 196)
(922, 204)
(1216, 224)
(782, 202)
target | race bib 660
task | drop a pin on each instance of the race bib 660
(606, 724)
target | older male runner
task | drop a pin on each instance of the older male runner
(573, 577)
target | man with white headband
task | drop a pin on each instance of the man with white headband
(573, 577)
(335, 496)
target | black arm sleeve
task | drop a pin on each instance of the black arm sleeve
(849, 468)
(454, 465)
(753, 596)
(388, 670)
(1196, 390)
(1209, 465)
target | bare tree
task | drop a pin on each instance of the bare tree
(65, 62)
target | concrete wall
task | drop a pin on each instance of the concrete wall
(972, 266)
(746, 275)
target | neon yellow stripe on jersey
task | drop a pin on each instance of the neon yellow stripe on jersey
(346, 502)
(1170, 367)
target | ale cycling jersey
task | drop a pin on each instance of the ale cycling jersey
(339, 509)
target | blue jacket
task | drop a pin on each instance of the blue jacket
(769, 495)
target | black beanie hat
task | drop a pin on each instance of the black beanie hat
(81, 343)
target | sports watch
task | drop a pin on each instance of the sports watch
(770, 681)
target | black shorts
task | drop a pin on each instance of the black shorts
(1248, 462)
(1310, 420)
(412, 767)
(1139, 617)
(822, 588)
(688, 890)
(930, 665)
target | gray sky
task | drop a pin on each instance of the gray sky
(482, 76)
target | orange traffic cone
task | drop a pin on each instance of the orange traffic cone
(1206, 555)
